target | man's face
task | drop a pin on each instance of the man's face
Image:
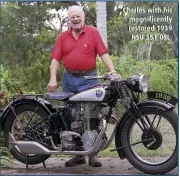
(76, 19)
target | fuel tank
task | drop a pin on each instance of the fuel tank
(95, 94)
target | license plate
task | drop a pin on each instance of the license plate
(162, 96)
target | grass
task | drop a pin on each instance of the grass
(143, 152)
(107, 153)
(160, 152)
(5, 159)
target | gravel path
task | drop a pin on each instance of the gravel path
(111, 166)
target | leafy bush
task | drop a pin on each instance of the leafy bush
(4, 153)
(4, 85)
(162, 75)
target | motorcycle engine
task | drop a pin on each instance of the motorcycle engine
(57, 125)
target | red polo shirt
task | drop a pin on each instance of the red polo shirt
(79, 54)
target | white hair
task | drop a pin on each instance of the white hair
(75, 8)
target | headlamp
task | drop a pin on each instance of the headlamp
(138, 83)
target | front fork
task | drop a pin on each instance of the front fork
(132, 109)
(136, 114)
(130, 105)
(144, 124)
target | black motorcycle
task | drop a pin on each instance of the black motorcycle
(146, 133)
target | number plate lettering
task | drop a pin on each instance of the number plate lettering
(162, 96)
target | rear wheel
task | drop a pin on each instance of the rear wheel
(157, 151)
(27, 115)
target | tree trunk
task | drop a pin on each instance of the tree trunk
(102, 19)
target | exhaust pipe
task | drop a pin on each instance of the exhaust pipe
(27, 147)
(32, 147)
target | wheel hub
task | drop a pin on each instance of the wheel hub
(152, 139)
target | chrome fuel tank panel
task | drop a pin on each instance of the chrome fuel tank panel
(94, 94)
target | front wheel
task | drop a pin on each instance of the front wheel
(156, 152)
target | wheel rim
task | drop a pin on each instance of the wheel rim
(162, 147)
(20, 123)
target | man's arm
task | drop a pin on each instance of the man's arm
(53, 72)
(107, 62)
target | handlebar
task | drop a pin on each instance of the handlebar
(95, 77)
(105, 77)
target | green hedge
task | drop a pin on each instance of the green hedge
(162, 75)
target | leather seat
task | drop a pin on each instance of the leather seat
(58, 95)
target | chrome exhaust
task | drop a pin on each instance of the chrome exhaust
(32, 147)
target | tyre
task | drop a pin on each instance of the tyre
(156, 152)
(27, 115)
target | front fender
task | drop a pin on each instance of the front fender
(161, 96)
(158, 103)
(148, 103)
(25, 100)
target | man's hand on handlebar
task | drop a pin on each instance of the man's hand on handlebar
(114, 76)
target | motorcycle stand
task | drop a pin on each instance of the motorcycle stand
(27, 168)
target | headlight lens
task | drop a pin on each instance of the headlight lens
(138, 83)
(143, 83)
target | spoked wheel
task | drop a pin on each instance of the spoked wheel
(27, 115)
(156, 151)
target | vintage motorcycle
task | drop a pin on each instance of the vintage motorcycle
(146, 133)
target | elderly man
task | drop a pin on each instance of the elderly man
(77, 48)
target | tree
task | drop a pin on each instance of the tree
(120, 38)
(28, 41)
(101, 20)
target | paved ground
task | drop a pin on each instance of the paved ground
(111, 166)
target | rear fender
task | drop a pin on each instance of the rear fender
(45, 105)
(148, 103)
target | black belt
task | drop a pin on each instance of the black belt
(80, 73)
